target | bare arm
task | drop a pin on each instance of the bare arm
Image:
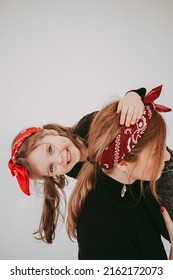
(169, 225)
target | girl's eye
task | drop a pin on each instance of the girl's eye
(50, 149)
(51, 168)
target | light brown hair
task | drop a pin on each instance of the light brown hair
(53, 187)
(104, 129)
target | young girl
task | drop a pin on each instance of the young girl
(108, 209)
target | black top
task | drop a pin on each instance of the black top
(82, 130)
(115, 227)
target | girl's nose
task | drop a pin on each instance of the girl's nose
(58, 158)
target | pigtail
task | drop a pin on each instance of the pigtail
(103, 130)
(53, 192)
(85, 183)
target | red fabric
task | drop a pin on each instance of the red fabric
(126, 140)
(17, 170)
(153, 95)
(22, 176)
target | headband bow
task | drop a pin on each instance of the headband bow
(17, 170)
(127, 139)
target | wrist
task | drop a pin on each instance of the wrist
(133, 93)
(140, 92)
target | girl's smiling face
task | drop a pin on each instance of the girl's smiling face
(54, 155)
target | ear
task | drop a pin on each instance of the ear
(123, 166)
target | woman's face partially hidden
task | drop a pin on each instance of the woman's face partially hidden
(143, 168)
(54, 155)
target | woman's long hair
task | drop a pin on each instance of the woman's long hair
(103, 130)
(53, 187)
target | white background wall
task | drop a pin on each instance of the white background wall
(58, 61)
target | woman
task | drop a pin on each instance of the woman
(108, 211)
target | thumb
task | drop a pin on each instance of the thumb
(120, 106)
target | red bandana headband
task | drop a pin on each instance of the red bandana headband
(17, 170)
(126, 140)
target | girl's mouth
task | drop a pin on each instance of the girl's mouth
(68, 157)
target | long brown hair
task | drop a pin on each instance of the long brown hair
(53, 187)
(104, 129)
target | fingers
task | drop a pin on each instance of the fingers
(131, 109)
(120, 106)
(140, 111)
(130, 115)
(136, 115)
(168, 222)
(123, 115)
(167, 218)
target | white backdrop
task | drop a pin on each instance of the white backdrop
(61, 59)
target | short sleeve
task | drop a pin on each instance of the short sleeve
(141, 92)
